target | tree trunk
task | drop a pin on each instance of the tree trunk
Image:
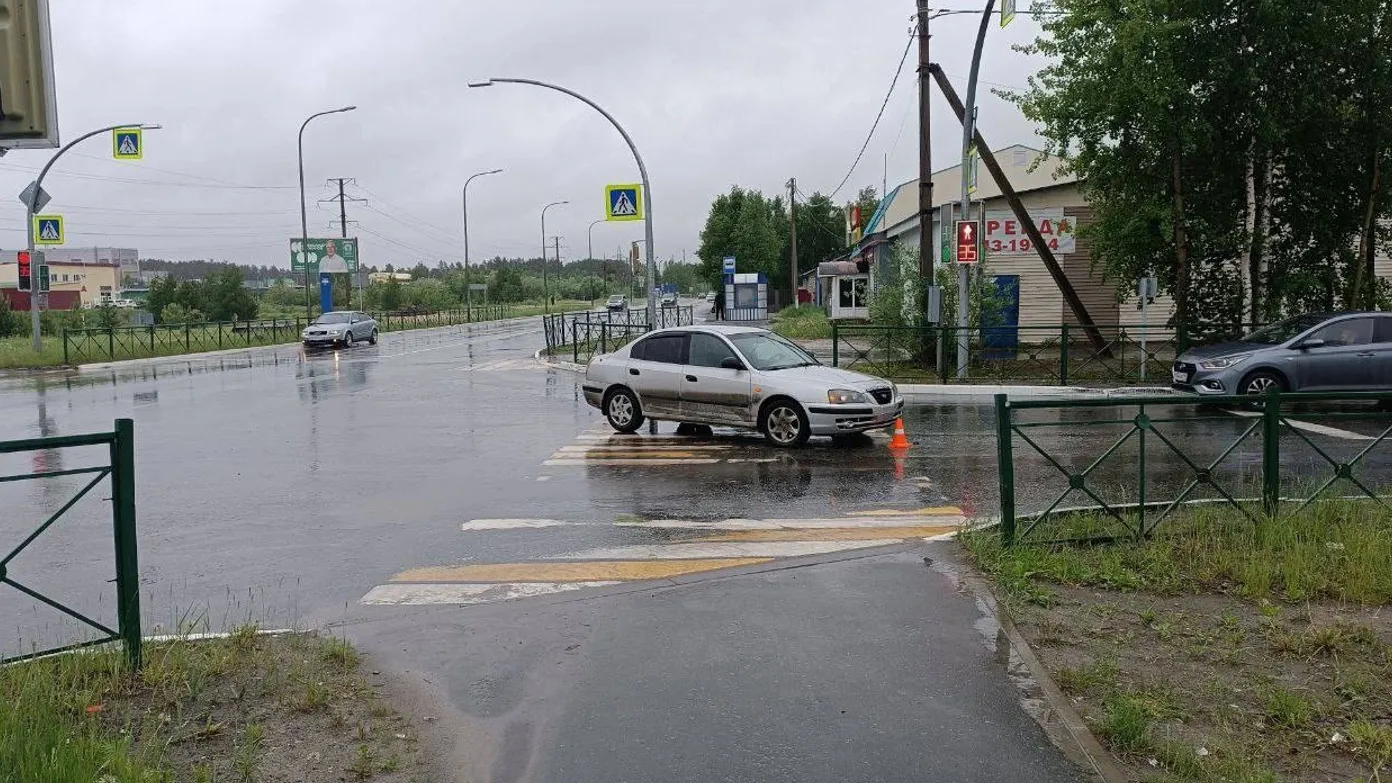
(1248, 305)
(1181, 240)
(1264, 299)
(1367, 237)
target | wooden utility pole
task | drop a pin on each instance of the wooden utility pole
(925, 162)
(792, 230)
(988, 159)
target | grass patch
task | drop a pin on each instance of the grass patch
(1340, 551)
(230, 709)
(802, 323)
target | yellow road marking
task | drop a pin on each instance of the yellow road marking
(832, 534)
(899, 512)
(593, 571)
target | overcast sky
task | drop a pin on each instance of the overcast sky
(714, 93)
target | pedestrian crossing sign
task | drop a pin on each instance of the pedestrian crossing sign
(127, 144)
(623, 202)
(48, 230)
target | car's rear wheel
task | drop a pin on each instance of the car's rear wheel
(622, 410)
(784, 424)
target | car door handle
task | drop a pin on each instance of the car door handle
(691, 378)
(632, 371)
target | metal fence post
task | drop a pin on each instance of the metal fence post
(1063, 357)
(123, 516)
(1005, 469)
(1271, 452)
(574, 342)
(835, 344)
(942, 354)
(151, 327)
(65, 347)
(111, 343)
(187, 343)
(603, 339)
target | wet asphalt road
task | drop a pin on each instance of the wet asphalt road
(285, 489)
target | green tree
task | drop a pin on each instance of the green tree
(390, 299)
(507, 285)
(164, 291)
(746, 225)
(821, 231)
(223, 297)
(175, 313)
(12, 324)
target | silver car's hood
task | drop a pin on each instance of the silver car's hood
(820, 374)
(1220, 349)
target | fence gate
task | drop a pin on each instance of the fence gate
(120, 468)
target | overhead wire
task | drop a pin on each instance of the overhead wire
(876, 124)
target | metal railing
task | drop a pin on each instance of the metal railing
(121, 469)
(143, 342)
(1047, 355)
(1143, 473)
(583, 334)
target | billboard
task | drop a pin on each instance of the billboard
(1006, 237)
(334, 256)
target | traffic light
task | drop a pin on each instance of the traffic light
(28, 111)
(25, 270)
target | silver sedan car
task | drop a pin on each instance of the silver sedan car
(340, 327)
(1313, 352)
(736, 376)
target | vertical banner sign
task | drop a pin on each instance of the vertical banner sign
(968, 235)
(973, 169)
(1007, 12)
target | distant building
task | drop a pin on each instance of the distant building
(95, 282)
(382, 277)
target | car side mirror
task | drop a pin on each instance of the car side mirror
(1307, 344)
(731, 363)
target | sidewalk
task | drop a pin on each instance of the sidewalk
(866, 666)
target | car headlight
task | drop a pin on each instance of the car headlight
(843, 396)
(1222, 362)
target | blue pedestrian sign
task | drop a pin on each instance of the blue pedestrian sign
(623, 202)
(729, 265)
(127, 144)
(48, 230)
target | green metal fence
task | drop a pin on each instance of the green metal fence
(1253, 481)
(583, 334)
(121, 470)
(1043, 355)
(143, 342)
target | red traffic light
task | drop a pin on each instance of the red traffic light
(968, 237)
(25, 270)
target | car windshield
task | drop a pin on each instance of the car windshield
(1282, 331)
(332, 318)
(615, 299)
(768, 351)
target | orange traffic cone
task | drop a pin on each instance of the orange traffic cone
(900, 441)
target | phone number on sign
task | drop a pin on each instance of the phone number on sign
(1016, 245)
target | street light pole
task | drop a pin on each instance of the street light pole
(589, 253)
(304, 226)
(31, 206)
(545, 302)
(468, 285)
(968, 131)
(642, 171)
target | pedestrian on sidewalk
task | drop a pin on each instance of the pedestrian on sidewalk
(719, 305)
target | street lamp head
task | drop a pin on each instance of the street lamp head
(484, 83)
(347, 108)
(494, 171)
(151, 127)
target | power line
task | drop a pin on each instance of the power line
(134, 181)
(878, 115)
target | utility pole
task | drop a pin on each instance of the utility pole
(968, 135)
(925, 167)
(342, 198)
(557, 240)
(792, 230)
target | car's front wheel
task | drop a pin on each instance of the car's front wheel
(348, 339)
(622, 410)
(785, 425)
(372, 339)
(1261, 381)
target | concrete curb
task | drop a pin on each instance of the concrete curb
(560, 364)
(1060, 721)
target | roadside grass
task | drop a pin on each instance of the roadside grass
(1218, 649)
(18, 352)
(234, 708)
(801, 323)
(1337, 550)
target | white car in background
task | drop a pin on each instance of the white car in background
(736, 376)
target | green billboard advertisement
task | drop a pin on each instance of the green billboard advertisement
(338, 256)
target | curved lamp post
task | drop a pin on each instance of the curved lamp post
(642, 172)
(468, 285)
(304, 226)
(545, 301)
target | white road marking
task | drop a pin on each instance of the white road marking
(433, 594)
(628, 462)
(639, 447)
(510, 524)
(543, 478)
(720, 549)
(1318, 429)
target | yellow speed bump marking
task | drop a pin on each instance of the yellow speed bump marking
(833, 534)
(593, 571)
(901, 512)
